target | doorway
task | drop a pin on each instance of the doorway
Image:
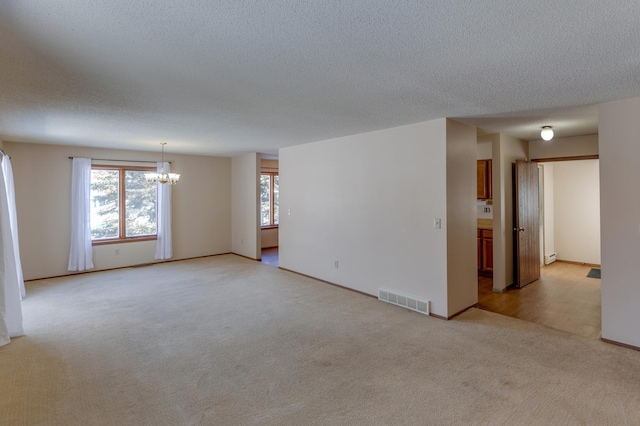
(570, 225)
(564, 297)
(269, 209)
(270, 256)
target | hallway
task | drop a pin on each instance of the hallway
(270, 256)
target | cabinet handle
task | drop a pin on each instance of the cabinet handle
(519, 229)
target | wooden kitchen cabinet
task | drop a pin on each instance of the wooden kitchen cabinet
(484, 179)
(485, 252)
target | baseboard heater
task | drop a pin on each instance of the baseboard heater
(550, 258)
(421, 306)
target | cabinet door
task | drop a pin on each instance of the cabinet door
(484, 180)
(487, 254)
(479, 252)
(488, 180)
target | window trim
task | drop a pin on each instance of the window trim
(271, 225)
(122, 238)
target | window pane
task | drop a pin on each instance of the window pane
(140, 204)
(265, 203)
(104, 204)
(276, 197)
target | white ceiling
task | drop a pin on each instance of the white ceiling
(225, 77)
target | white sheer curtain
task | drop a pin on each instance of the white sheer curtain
(7, 171)
(163, 244)
(81, 253)
(10, 307)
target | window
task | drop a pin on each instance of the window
(269, 210)
(123, 204)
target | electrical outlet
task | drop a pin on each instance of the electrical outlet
(336, 264)
(437, 223)
(117, 252)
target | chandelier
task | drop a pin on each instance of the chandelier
(162, 177)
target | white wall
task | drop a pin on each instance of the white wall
(574, 146)
(619, 127)
(577, 210)
(548, 209)
(268, 165)
(462, 232)
(506, 150)
(484, 149)
(245, 205)
(368, 201)
(269, 237)
(201, 208)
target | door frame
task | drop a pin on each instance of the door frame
(553, 160)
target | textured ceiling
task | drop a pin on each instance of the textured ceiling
(224, 77)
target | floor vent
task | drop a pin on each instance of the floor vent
(550, 258)
(417, 305)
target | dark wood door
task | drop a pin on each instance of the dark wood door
(527, 225)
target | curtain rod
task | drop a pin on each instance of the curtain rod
(124, 161)
(5, 154)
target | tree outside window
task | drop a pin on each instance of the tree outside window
(123, 204)
(269, 199)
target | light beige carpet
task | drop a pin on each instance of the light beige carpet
(229, 341)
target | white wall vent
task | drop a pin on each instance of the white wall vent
(550, 258)
(421, 306)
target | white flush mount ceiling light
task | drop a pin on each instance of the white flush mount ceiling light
(546, 133)
(162, 177)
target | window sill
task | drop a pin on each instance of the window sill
(125, 240)
(269, 227)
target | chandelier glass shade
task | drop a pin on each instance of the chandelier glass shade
(162, 177)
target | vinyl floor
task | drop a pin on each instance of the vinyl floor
(563, 298)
